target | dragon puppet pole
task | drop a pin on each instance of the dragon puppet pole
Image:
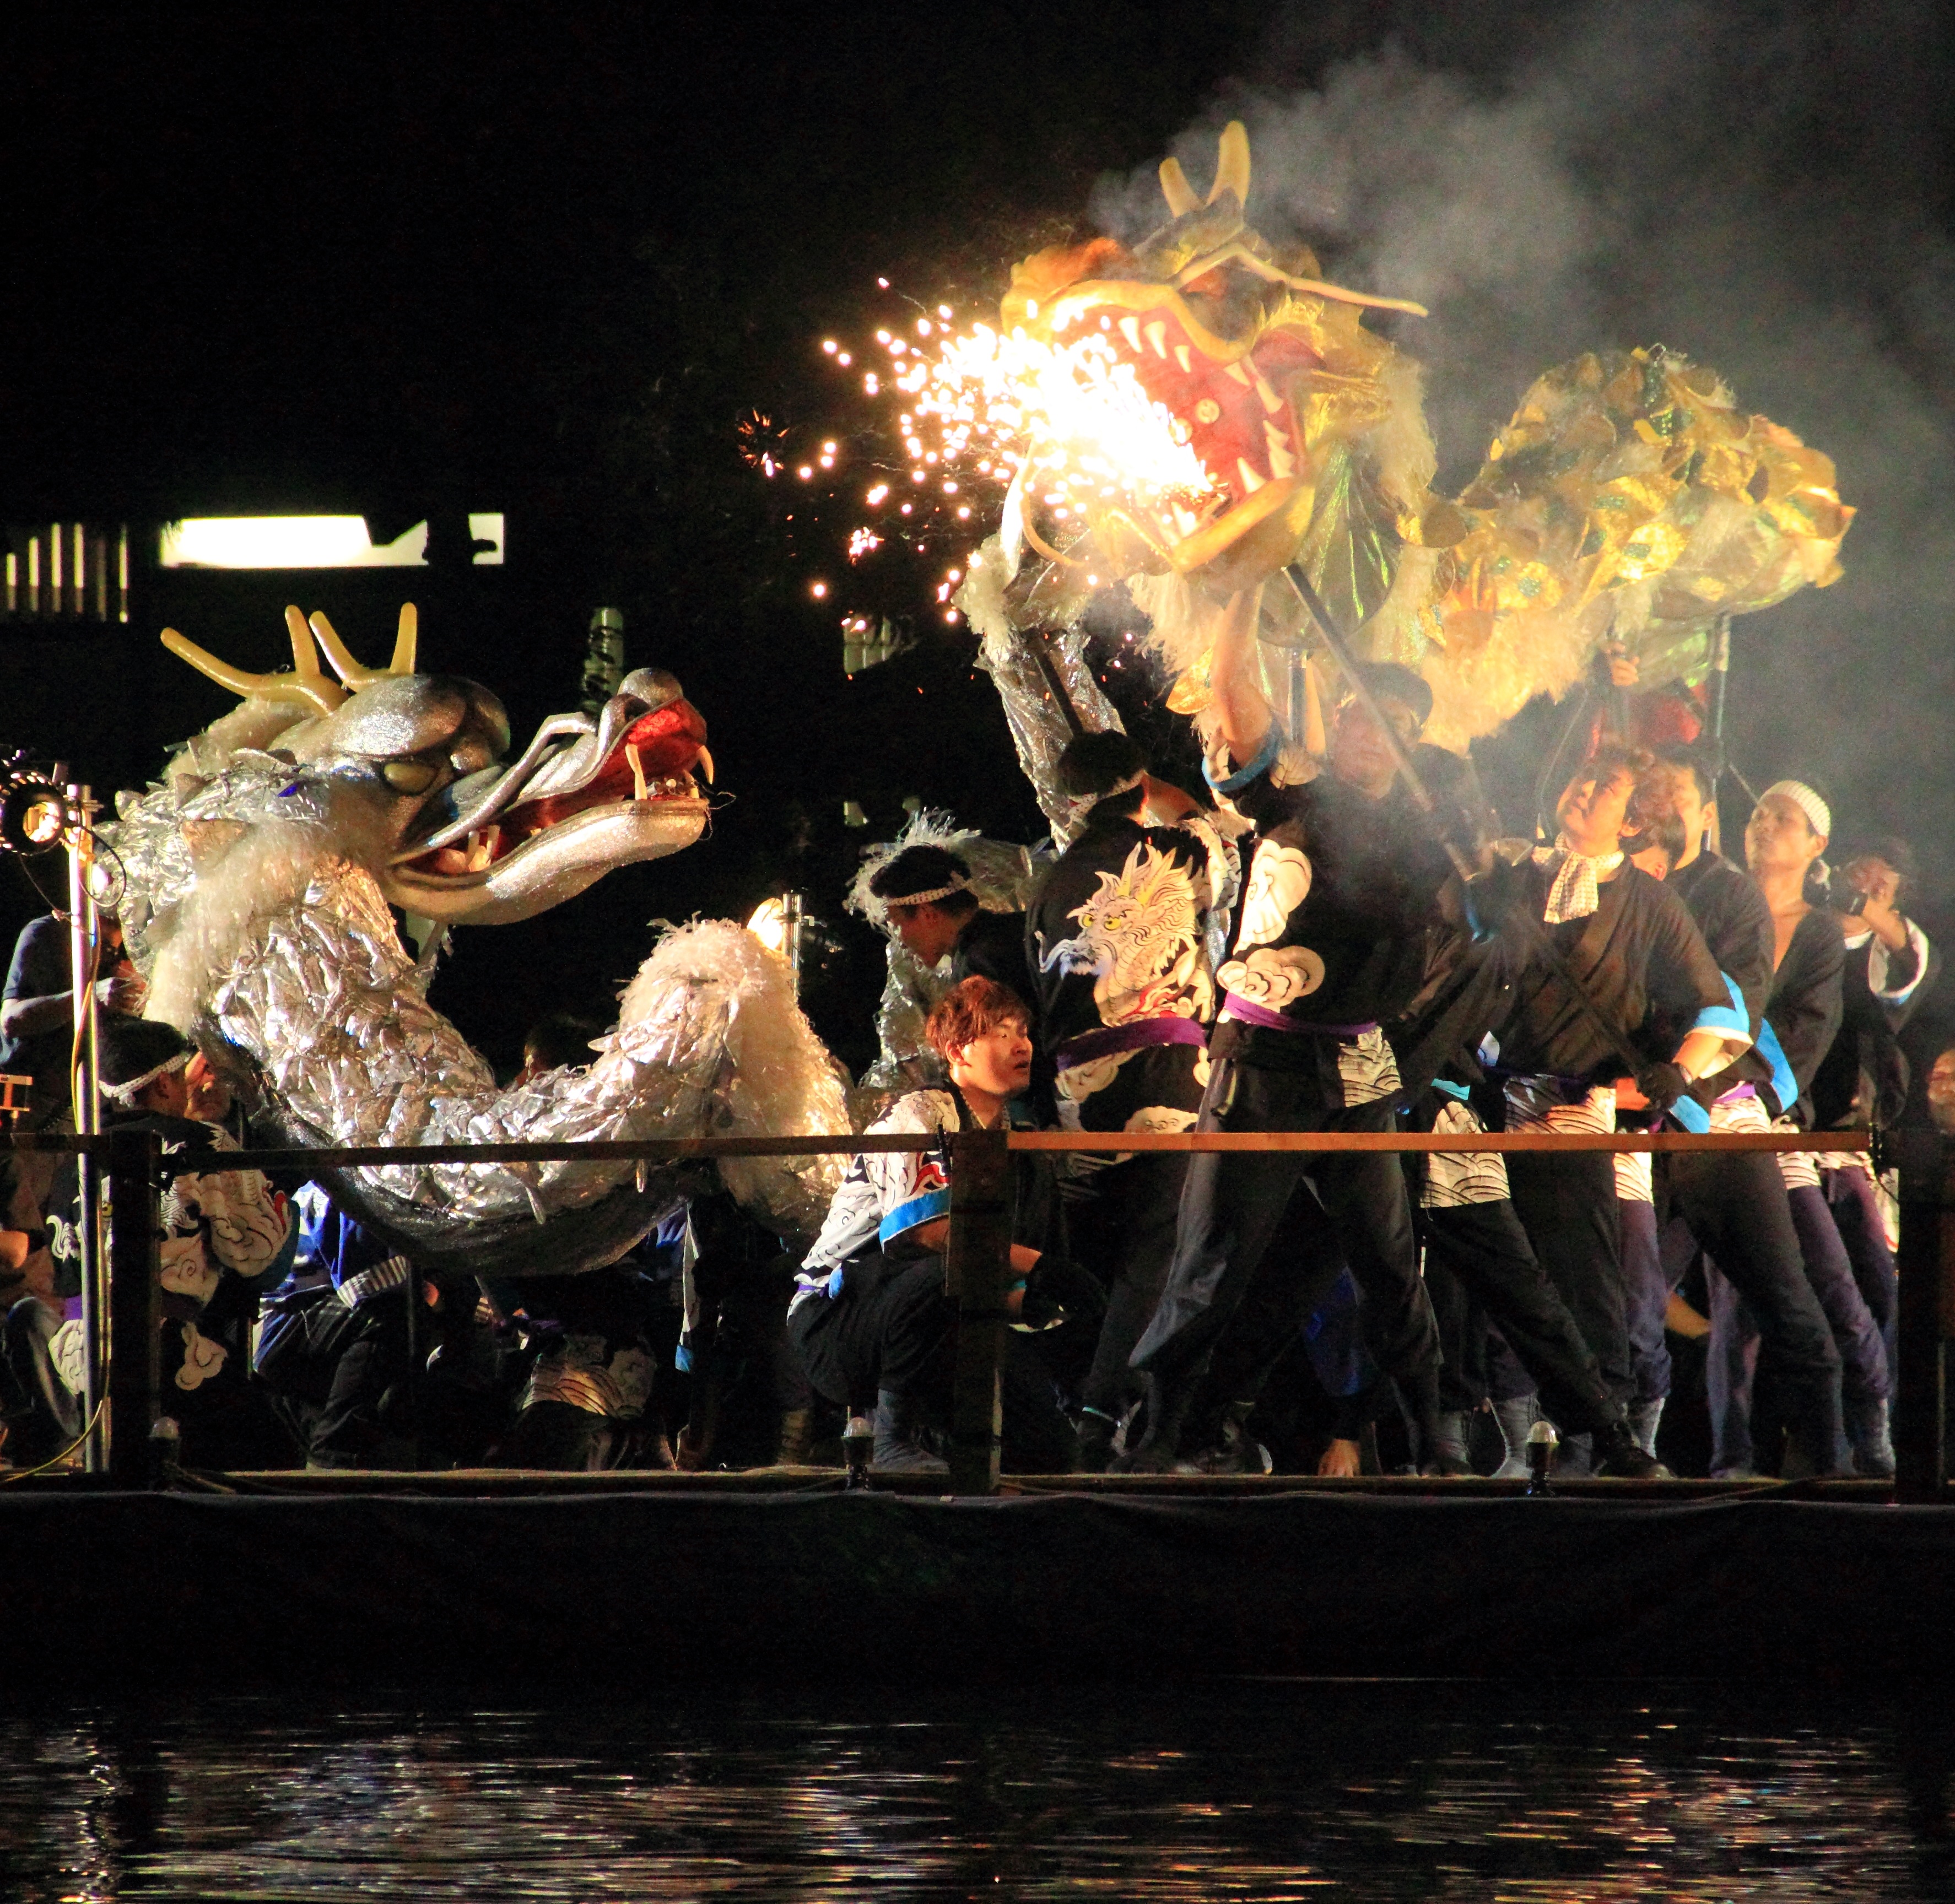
(1312, 604)
(1462, 864)
(1041, 648)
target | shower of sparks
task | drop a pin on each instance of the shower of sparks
(959, 418)
(1072, 420)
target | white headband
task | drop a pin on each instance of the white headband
(127, 1092)
(924, 898)
(1819, 815)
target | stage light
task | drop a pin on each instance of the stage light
(34, 813)
(770, 925)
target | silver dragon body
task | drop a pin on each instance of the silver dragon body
(259, 873)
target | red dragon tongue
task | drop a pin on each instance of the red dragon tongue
(667, 740)
(658, 746)
(1240, 422)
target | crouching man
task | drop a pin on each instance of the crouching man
(870, 1320)
(224, 1234)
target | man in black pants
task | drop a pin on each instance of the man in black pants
(1734, 1202)
(1333, 938)
(1619, 969)
(1116, 938)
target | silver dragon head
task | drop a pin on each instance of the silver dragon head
(415, 766)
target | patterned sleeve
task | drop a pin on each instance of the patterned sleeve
(886, 1192)
(248, 1221)
(244, 1223)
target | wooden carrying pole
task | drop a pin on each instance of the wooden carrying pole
(1926, 1264)
(978, 1278)
(135, 1177)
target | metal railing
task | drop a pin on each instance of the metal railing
(977, 1258)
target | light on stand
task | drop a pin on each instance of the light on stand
(34, 813)
(776, 922)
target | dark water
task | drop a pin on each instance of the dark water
(1265, 1791)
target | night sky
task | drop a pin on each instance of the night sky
(411, 261)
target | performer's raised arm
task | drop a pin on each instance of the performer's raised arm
(1245, 722)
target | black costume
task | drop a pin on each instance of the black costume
(1116, 943)
(1342, 895)
(1863, 1078)
(1646, 972)
(992, 945)
(1735, 1202)
(1803, 1013)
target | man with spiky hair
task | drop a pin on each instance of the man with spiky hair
(1116, 938)
(870, 1319)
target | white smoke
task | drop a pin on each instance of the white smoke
(1753, 186)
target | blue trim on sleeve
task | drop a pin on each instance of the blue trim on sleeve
(682, 1359)
(1732, 1020)
(1691, 1115)
(926, 1208)
(1457, 1091)
(1265, 759)
(1784, 1084)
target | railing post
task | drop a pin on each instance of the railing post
(1926, 1264)
(135, 1173)
(978, 1278)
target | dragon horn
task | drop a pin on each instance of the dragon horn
(307, 687)
(1232, 163)
(349, 670)
(1175, 189)
(403, 662)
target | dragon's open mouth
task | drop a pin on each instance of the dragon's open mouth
(583, 797)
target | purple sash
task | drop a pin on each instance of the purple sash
(1114, 1039)
(1248, 1012)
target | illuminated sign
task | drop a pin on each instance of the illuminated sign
(310, 542)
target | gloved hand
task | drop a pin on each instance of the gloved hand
(1663, 1084)
(1061, 1290)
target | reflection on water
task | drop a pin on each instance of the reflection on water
(1265, 1791)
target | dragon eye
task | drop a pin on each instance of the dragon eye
(409, 776)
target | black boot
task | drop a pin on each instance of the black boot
(1165, 1411)
(1870, 1438)
(1233, 1451)
(900, 1448)
(1618, 1453)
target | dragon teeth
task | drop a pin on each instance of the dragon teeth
(1251, 482)
(705, 765)
(1281, 463)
